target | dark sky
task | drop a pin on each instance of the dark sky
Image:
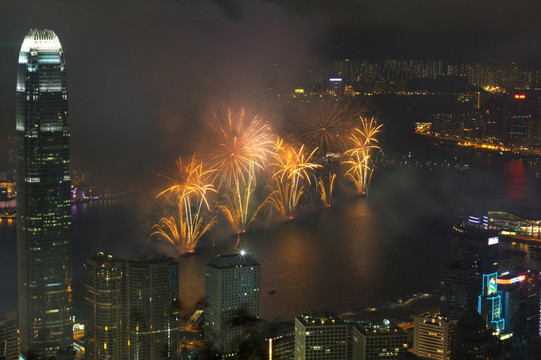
(145, 76)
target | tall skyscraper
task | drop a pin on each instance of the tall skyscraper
(104, 307)
(43, 197)
(460, 286)
(490, 303)
(152, 306)
(232, 292)
(131, 308)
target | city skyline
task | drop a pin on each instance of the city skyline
(147, 80)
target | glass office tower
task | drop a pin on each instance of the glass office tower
(43, 197)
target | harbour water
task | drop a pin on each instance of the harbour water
(356, 254)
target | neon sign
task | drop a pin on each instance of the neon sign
(511, 281)
(491, 286)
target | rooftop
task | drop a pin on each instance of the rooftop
(232, 261)
(379, 330)
(320, 318)
(41, 40)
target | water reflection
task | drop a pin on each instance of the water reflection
(339, 258)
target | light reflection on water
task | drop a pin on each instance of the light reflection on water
(338, 259)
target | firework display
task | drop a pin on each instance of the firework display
(363, 140)
(325, 125)
(326, 189)
(189, 191)
(242, 148)
(248, 162)
(291, 168)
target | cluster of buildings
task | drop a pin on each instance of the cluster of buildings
(510, 118)
(392, 76)
(490, 308)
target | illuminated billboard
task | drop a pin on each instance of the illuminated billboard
(335, 79)
(493, 240)
(490, 284)
(512, 280)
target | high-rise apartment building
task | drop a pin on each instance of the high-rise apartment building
(152, 304)
(432, 336)
(233, 295)
(322, 336)
(373, 342)
(131, 308)
(104, 308)
(43, 197)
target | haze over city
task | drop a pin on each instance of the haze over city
(175, 174)
(145, 76)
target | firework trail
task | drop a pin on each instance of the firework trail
(290, 168)
(363, 140)
(326, 191)
(243, 147)
(189, 190)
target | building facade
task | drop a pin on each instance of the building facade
(460, 286)
(43, 197)
(131, 308)
(432, 336)
(233, 296)
(104, 308)
(377, 342)
(322, 336)
(9, 336)
(152, 304)
(473, 340)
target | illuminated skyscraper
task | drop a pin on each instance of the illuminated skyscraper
(43, 196)
(152, 308)
(490, 303)
(104, 308)
(232, 293)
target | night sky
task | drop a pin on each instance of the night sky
(145, 76)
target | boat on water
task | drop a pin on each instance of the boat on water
(272, 292)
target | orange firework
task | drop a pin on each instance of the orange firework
(363, 140)
(189, 189)
(291, 167)
(326, 192)
(243, 147)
